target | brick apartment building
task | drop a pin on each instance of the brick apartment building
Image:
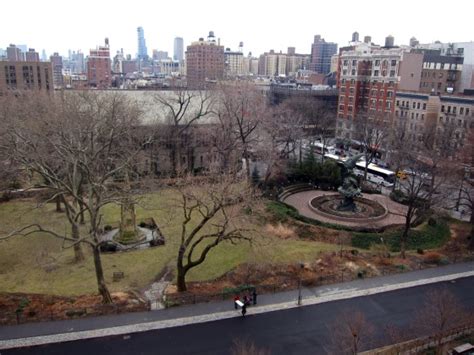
(368, 80)
(21, 75)
(99, 67)
(204, 62)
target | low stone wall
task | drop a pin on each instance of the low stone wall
(341, 216)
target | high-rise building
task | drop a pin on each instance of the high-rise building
(159, 55)
(77, 62)
(321, 53)
(142, 50)
(178, 49)
(99, 67)
(57, 63)
(44, 57)
(14, 53)
(32, 55)
(272, 64)
(234, 62)
(21, 75)
(204, 62)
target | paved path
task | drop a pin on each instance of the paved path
(300, 201)
(87, 328)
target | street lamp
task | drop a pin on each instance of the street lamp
(299, 284)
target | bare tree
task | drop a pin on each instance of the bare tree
(440, 313)
(247, 347)
(280, 131)
(317, 119)
(371, 132)
(181, 109)
(465, 199)
(351, 333)
(242, 105)
(78, 144)
(212, 214)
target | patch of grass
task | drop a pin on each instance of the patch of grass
(40, 264)
(425, 237)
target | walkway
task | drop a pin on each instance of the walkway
(300, 201)
(86, 328)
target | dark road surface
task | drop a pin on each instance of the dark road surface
(304, 330)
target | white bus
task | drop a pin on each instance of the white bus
(377, 174)
(318, 148)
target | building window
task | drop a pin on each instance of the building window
(418, 105)
(353, 81)
(353, 72)
(345, 63)
(422, 116)
(413, 104)
(398, 103)
(389, 93)
(424, 106)
(461, 110)
(376, 73)
(454, 109)
(412, 115)
(354, 62)
(392, 73)
(393, 63)
(467, 111)
(377, 63)
(442, 108)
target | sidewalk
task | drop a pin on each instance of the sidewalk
(67, 330)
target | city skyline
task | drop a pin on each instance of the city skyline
(259, 26)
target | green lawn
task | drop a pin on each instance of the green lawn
(39, 264)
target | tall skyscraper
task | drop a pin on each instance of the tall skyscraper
(142, 50)
(321, 53)
(44, 57)
(204, 62)
(178, 53)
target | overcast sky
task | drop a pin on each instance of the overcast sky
(262, 25)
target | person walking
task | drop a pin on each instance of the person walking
(254, 296)
(236, 298)
(244, 310)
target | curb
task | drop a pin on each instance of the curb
(156, 325)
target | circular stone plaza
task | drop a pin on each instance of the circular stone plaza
(374, 211)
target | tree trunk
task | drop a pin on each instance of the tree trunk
(58, 203)
(78, 254)
(404, 237)
(471, 237)
(99, 272)
(181, 278)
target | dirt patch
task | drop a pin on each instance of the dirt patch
(22, 308)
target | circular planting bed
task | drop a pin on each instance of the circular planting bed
(367, 210)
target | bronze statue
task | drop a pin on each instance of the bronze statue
(350, 187)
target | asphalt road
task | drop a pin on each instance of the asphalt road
(305, 330)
